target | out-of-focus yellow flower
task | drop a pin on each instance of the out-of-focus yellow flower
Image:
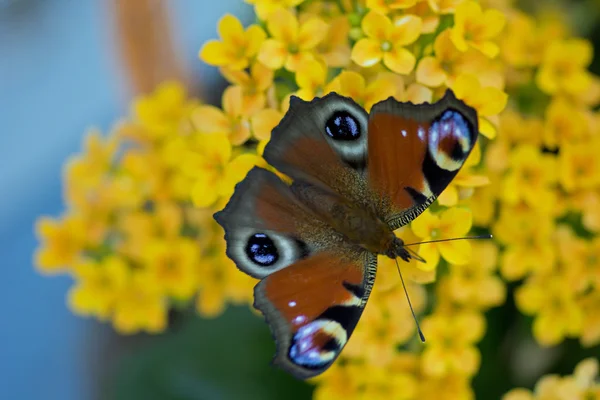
(292, 42)
(237, 46)
(453, 386)
(334, 49)
(98, 285)
(522, 43)
(386, 41)
(450, 344)
(452, 223)
(531, 177)
(63, 241)
(588, 202)
(232, 121)
(171, 266)
(582, 384)
(590, 332)
(476, 28)
(474, 284)
(488, 101)
(263, 122)
(579, 166)
(564, 123)
(437, 70)
(557, 312)
(139, 306)
(563, 67)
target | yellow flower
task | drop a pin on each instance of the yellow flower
(453, 386)
(451, 223)
(262, 124)
(437, 70)
(264, 8)
(588, 203)
(557, 314)
(386, 41)
(444, 6)
(97, 287)
(450, 343)
(564, 123)
(563, 68)
(292, 42)
(527, 234)
(334, 49)
(474, 284)
(161, 113)
(518, 394)
(311, 77)
(590, 332)
(139, 306)
(171, 266)
(232, 121)
(237, 46)
(488, 101)
(387, 6)
(253, 84)
(476, 28)
(62, 243)
(579, 166)
(522, 43)
(530, 178)
(354, 85)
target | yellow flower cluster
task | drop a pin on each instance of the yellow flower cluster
(583, 384)
(139, 239)
(130, 237)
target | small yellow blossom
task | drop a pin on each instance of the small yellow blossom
(557, 312)
(386, 41)
(63, 241)
(530, 178)
(98, 284)
(437, 70)
(292, 42)
(354, 85)
(476, 28)
(450, 344)
(253, 84)
(311, 77)
(334, 49)
(139, 306)
(232, 121)
(563, 67)
(452, 223)
(579, 166)
(565, 123)
(237, 46)
(488, 101)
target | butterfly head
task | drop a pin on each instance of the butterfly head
(397, 249)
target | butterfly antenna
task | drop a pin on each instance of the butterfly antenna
(410, 304)
(416, 256)
(451, 239)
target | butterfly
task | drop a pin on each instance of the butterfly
(355, 178)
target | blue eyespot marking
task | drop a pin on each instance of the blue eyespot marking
(342, 126)
(261, 250)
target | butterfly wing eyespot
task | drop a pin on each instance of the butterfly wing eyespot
(313, 306)
(319, 140)
(415, 151)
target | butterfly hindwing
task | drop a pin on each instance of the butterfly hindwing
(312, 307)
(414, 151)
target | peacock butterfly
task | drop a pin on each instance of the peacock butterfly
(356, 177)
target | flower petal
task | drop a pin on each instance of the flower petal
(272, 54)
(430, 73)
(399, 60)
(366, 52)
(312, 32)
(455, 252)
(377, 26)
(210, 119)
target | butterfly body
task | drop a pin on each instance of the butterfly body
(356, 177)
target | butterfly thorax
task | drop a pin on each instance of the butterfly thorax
(358, 225)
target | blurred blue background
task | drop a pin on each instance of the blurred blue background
(59, 76)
